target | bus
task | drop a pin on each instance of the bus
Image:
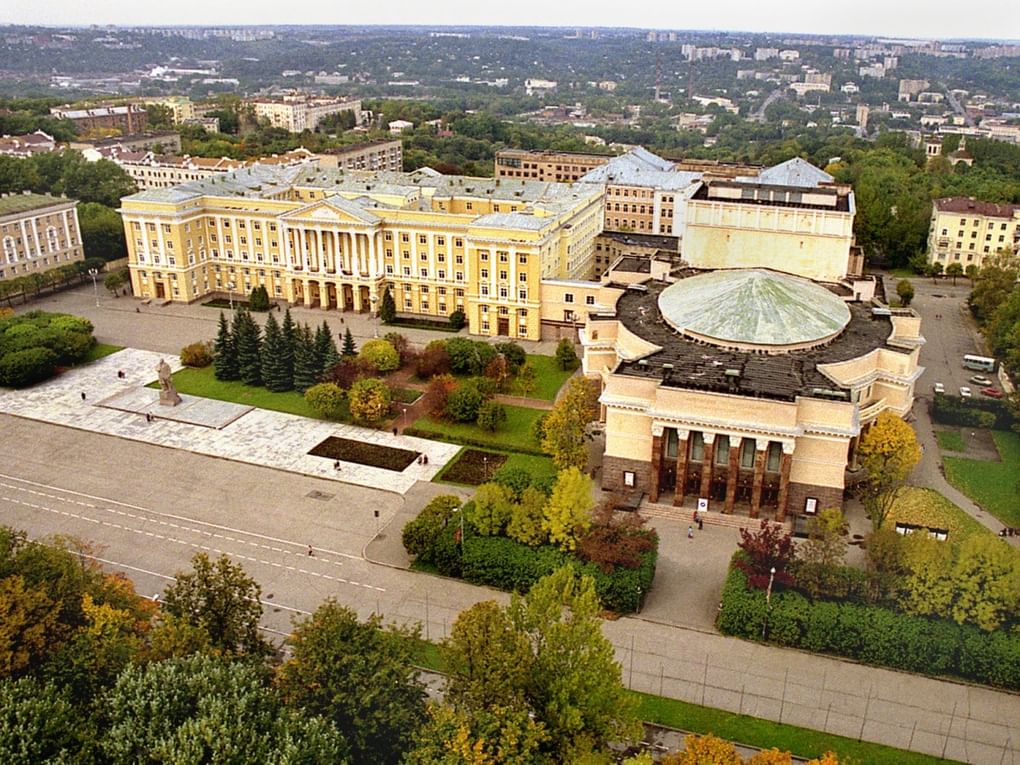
(979, 363)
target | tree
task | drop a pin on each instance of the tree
(457, 319)
(274, 361)
(491, 416)
(616, 541)
(934, 271)
(498, 370)
(113, 282)
(369, 400)
(458, 737)
(258, 299)
(349, 349)
(905, 290)
(38, 724)
(704, 750)
(575, 688)
(770, 547)
(823, 552)
(888, 451)
(358, 675)
(971, 272)
(102, 231)
(289, 340)
(197, 355)
(468, 357)
(210, 709)
(568, 511)
(566, 356)
(388, 307)
(247, 345)
(305, 370)
(223, 600)
(927, 588)
(490, 510)
(326, 400)
(564, 428)
(515, 355)
(400, 345)
(986, 583)
(380, 354)
(224, 352)
(526, 518)
(325, 348)
(29, 622)
(419, 535)
(954, 270)
(437, 394)
(432, 362)
(464, 402)
(526, 379)
(993, 286)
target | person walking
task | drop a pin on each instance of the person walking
(701, 523)
(690, 532)
(83, 395)
(311, 553)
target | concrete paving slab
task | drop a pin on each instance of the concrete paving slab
(205, 412)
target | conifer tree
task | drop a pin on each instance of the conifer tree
(288, 335)
(247, 340)
(304, 360)
(332, 357)
(388, 308)
(225, 358)
(350, 349)
(323, 344)
(274, 370)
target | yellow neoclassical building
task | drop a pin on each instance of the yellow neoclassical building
(745, 388)
(336, 239)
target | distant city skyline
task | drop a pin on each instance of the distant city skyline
(873, 18)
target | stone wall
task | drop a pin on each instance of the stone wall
(614, 467)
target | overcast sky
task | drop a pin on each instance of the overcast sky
(890, 18)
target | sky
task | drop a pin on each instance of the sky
(882, 18)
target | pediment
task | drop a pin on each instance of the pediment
(332, 210)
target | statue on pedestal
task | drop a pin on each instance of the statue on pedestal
(168, 395)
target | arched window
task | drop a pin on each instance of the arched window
(51, 239)
(9, 252)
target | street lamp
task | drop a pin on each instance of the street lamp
(94, 272)
(768, 602)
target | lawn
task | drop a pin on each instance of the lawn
(101, 350)
(516, 433)
(405, 395)
(926, 507)
(729, 725)
(203, 382)
(992, 485)
(549, 378)
(950, 441)
(468, 468)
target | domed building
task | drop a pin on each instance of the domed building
(748, 388)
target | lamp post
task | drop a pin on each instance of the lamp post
(94, 272)
(768, 602)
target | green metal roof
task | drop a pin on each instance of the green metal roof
(19, 203)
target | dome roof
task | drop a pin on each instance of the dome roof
(753, 308)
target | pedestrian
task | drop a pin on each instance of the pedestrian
(426, 458)
(336, 465)
(696, 516)
(310, 552)
(701, 523)
(83, 395)
(690, 532)
(394, 431)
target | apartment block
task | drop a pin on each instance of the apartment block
(298, 112)
(556, 166)
(129, 118)
(38, 232)
(337, 239)
(965, 230)
(372, 155)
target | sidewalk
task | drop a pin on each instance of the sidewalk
(256, 436)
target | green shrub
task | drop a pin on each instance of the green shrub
(437, 435)
(421, 534)
(26, 367)
(69, 337)
(971, 412)
(197, 354)
(258, 300)
(458, 320)
(491, 416)
(380, 354)
(447, 551)
(369, 400)
(468, 357)
(464, 402)
(326, 400)
(514, 479)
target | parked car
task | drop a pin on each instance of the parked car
(980, 380)
(964, 391)
(991, 392)
(940, 388)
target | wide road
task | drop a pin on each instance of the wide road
(149, 509)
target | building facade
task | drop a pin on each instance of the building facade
(747, 389)
(555, 166)
(370, 156)
(965, 230)
(129, 118)
(299, 112)
(338, 239)
(37, 233)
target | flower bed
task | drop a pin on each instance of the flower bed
(474, 467)
(362, 453)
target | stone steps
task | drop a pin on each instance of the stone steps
(686, 515)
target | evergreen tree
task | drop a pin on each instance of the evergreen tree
(247, 340)
(274, 370)
(388, 309)
(325, 348)
(350, 349)
(289, 335)
(304, 360)
(332, 357)
(225, 360)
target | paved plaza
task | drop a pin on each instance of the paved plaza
(97, 398)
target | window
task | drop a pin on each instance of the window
(568, 297)
(51, 239)
(697, 447)
(589, 300)
(522, 277)
(722, 450)
(773, 457)
(747, 454)
(483, 273)
(458, 242)
(9, 251)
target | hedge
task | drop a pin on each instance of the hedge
(436, 435)
(971, 412)
(871, 634)
(509, 565)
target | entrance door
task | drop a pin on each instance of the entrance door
(504, 326)
(160, 291)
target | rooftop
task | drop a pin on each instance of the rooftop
(699, 366)
(639, 167)
(12, 204)
(653, 241)
(794, 172)
(753, 193)
(971, 206)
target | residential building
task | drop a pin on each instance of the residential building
(532, 86)
(910, 88)
(792, 218)
(158, 171)
(181, 108)
(965, 230)
(371, 155)
(128, 118)
(338, 239)
(296, 112)
(801, 88)
(38, 233)
(558, 166)
(743, 391)
(166, 141)
(27, 145)
(397, 127)
(208, 124)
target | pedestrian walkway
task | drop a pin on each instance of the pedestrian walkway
(256, 436)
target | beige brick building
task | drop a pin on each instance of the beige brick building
(299, 112)
(37, 233)
(557, 166)
(370, 156)
(337, 239)
(966, 231)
